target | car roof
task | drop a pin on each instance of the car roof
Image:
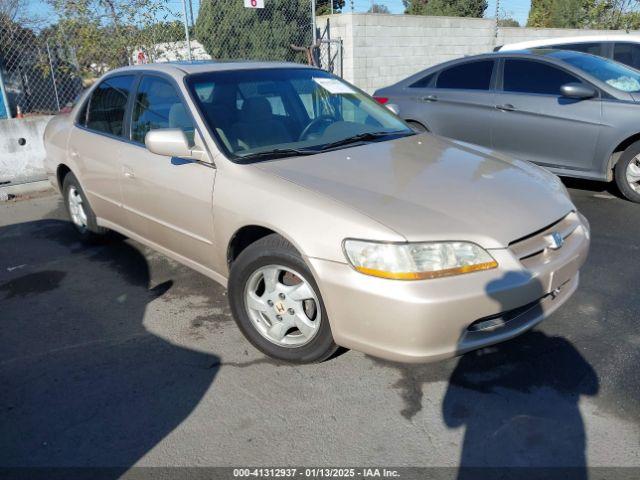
(615, 37)
(554, 53)
(182, 68)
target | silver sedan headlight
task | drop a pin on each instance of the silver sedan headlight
(417, 261)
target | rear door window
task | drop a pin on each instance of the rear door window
(467, 76)
(108, 104)
(525, 76)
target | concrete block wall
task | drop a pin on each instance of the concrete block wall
(380, 49)
(21, 163)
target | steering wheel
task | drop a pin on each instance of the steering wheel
(316, 126)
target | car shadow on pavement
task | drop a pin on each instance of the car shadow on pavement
(518, 403)
(83, 383)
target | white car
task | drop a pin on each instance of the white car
(623, 48)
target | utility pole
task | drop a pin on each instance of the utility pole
(497, 17)
(186, 28)
(193, 21)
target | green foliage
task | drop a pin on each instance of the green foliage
(508, 22)
(378, 8)
(105, 33)
(599, 14)
(323, 7)
(446, 8)
(228, 30)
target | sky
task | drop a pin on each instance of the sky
(517, 9)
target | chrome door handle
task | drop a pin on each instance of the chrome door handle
(126, 171)
(430, 98)
(507, 107)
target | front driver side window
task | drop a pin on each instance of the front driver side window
(525, 76)
(158, 105)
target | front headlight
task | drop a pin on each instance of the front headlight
(417, 261)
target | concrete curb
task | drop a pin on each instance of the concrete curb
(23, 188)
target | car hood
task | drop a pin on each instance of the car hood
(426, 188)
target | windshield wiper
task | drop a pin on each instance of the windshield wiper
(277, 153)
(363, 137)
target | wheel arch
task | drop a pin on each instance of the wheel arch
(420, 122)
(618, 151)
(249, 234)
(61, 172)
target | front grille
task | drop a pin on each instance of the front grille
(534, 249)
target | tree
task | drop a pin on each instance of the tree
(104, 33)
(446, 8)
(600, 14)
(508, 22)
(378, 8)
(228, 30)
(323, 7)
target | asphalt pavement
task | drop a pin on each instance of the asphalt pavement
(115, 356)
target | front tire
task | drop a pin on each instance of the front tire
(80, 212)
(627, 173)
(277, 304)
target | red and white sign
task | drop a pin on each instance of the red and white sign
(254, 3)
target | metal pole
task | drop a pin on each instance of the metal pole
(193, 22)
(497, 17)
(186, 28)
(53, 77)
(331, 4)
(313, 21)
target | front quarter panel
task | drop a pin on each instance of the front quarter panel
(316, 225)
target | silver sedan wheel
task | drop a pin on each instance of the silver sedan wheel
(633, 173)
(76, 208)
(282, 306)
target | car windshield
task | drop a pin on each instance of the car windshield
(612, 73)
(258, 114)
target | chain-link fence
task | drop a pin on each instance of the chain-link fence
(44, 68)
(37, 74)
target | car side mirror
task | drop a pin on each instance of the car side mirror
(172, 142)
(393, 107)
(576, 90)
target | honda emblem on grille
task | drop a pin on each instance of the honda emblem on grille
(554, 240)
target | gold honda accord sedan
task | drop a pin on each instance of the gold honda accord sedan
(327, 218)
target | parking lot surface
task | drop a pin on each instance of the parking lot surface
(114, 355)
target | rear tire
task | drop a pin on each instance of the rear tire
(280, 321)
(627, 173)
(80, 212)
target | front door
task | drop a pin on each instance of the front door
(168, 200)
(534, 122)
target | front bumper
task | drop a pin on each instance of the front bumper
(428, 320)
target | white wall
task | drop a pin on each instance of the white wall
(22, 163)
(380, 49)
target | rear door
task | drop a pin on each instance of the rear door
(534, 122)
(96, 142)
(457, 102)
